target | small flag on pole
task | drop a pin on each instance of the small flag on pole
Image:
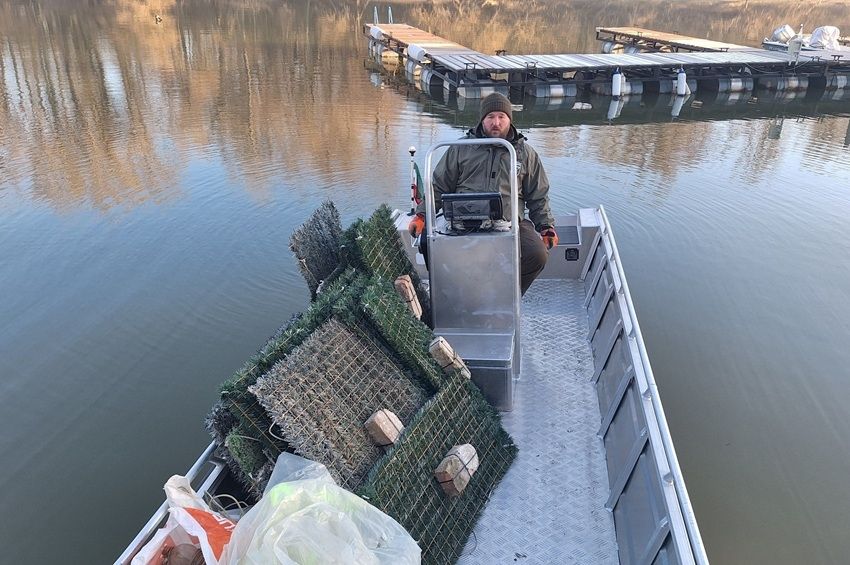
(416, 185)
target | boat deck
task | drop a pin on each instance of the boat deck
(555, 424)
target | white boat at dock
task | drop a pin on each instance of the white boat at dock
(825, 39)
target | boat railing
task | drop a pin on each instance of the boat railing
(664, 452)
(156, 520)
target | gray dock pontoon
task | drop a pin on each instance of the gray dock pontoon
(596, 479)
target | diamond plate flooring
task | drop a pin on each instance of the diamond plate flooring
(549, 508)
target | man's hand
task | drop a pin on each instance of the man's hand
(416, 225)
(550, 238)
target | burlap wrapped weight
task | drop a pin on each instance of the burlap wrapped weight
(445, 356)
(404, 288)
(456, 469)
(384, 427)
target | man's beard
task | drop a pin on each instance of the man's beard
(496, 132)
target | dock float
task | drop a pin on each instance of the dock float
(434, 62)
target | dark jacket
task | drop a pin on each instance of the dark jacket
(484, 168)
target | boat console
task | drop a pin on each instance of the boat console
(475, 289)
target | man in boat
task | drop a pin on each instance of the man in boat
(484, 168)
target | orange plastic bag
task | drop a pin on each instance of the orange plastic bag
(212, 530)
(190, 521)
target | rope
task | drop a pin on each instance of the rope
(242, 506)
(274, 435)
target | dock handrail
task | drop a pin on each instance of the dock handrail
(156, 519)
(671, 459)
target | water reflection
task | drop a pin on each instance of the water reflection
(241, 116)
(104, 107)
(107, 105)
(647, 108)
(662, 150)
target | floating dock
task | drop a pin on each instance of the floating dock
(689, 63)
(637, 39)
(642, 38)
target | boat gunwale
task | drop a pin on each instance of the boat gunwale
(668, 462)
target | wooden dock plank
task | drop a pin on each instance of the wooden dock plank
(451, 62)
(634, 60)
(826, 55)
(593, 60)
(656, 59)
(528, 61)
(458, 62)
(671, 39)
(409, 35)
(551, 61)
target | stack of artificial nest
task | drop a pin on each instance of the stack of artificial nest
(351, 383)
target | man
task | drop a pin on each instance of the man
(484, 168)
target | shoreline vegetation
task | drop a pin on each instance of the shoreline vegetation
(538, 26)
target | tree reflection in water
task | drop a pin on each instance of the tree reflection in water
(104, 104)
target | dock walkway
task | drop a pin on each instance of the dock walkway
(658, 39)
(638, 38)
(402, 36)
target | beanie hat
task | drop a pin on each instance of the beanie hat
(495, 102)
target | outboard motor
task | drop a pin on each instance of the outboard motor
(475, 280)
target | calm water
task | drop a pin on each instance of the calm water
(151, 175)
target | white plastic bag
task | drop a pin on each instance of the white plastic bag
(190, 521)
(304, 517)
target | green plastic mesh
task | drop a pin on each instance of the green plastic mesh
(234, 392)
(380, 246)
(251, 463)
(402, 483)
(323, 392)
(220, 422)
(316, 245)
(376, 247)
(325, 411)
(406, 335)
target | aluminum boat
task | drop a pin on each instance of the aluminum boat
(596, 479)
